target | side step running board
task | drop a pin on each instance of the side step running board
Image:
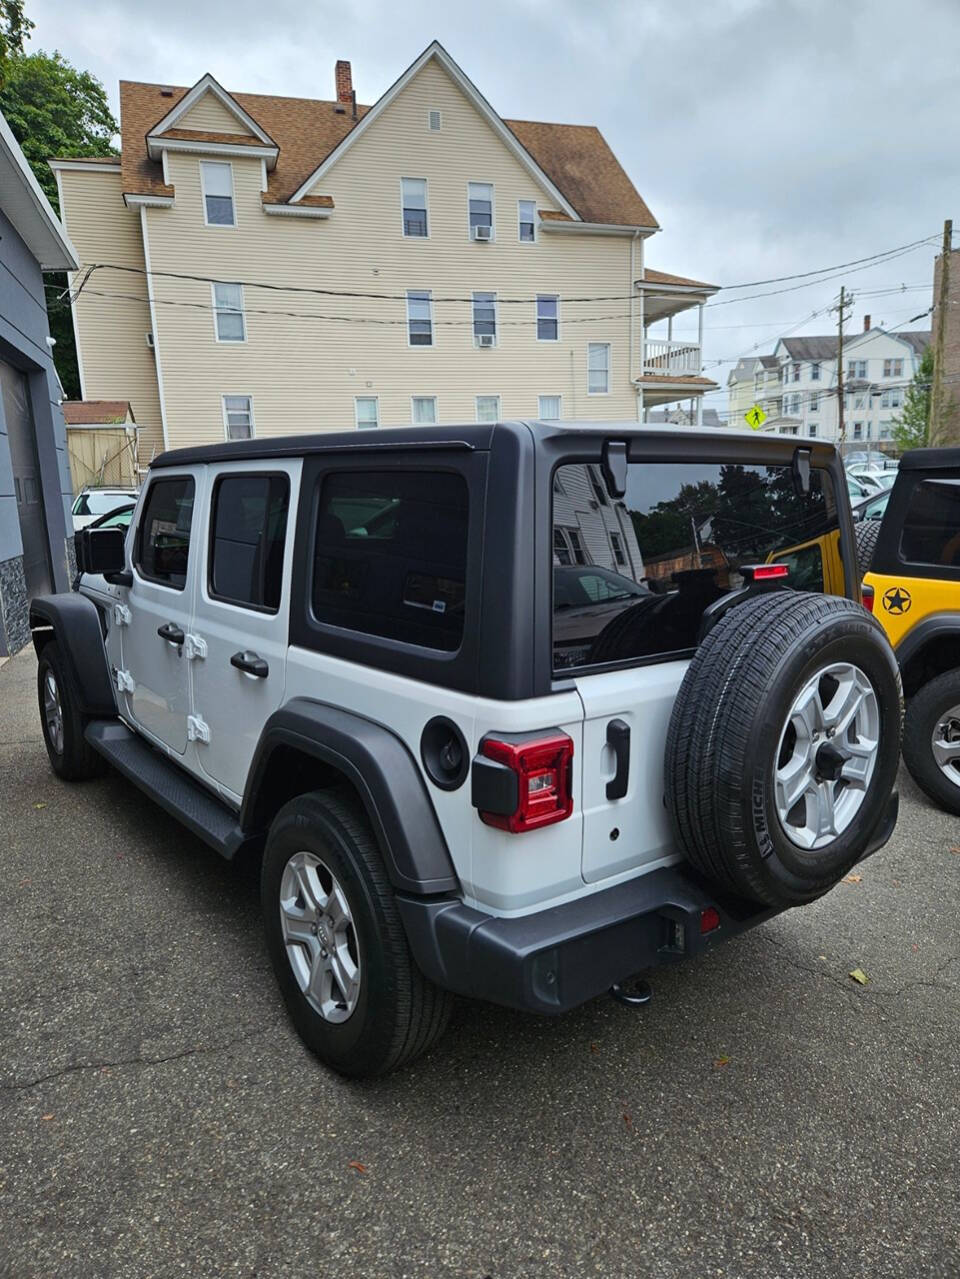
(168, 785)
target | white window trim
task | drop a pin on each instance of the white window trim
(436, 410)
(219, 226)
(553, 395)
(217, 310)
(519, 219)
(609, 346)
(536, 316)
(223, 404)
(421, 346)
(356, 412)
(496, 316)
(493, 207)
(487, 396)
(426, 199)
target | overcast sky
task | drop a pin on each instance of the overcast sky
(768, 136)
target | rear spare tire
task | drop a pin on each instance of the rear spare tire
(783, 745)
(867, 533)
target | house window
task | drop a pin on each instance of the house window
(815, 372)
(548, 408)
(434, 121)
(812, 430)
(414, 199)
(598, 368)
(424, 410)
(484, 318)
(857, 368)
(796, 372)
(617, 543)
(886, 429)
(488, 408)
(238, 417)
(527, 221)
(561, 550)
(228, 312)
(576, 546)
(814, 401)
(859, 401)
(548, 324)
(893, 368)
(367, 409)
(480, 205)
(217, 181)
(599, 492)
(858, 430)
(419, 318)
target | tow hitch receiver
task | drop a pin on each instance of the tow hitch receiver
(632, 993)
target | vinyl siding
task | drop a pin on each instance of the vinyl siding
(116, 362)
(210, 115)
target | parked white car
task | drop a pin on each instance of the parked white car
(91, 503)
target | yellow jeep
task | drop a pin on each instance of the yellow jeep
(910, 561)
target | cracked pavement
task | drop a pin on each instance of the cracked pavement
(764, 1116)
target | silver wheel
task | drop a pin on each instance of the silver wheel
(828, 751)
(320, 937)
(53, 712)
(946, 744)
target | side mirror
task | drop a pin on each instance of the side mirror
(101, 550)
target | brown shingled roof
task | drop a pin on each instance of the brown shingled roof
(95, 412)
(575, 157)
(202, 135)
(651, 276)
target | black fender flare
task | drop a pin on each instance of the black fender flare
(383, 772)
(933, 627)
(75, 622)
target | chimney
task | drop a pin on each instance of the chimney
(866, 324)
(344, 81)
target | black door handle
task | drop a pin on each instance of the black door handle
(618, 736)
(251, 663)
(170, 632)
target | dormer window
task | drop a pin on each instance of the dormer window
(218, 205)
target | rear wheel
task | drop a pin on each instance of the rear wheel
(783, 745)
(931, 740)
(336, 942)
(61, 720)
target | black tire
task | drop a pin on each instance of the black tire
(71, 756)
(924, 712)
(867, 533)
(399, 1014)
(729, 725)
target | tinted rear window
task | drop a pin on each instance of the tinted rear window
(633, 576)
(931, 527)
(390, 555)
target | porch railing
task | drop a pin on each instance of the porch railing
(671, 359)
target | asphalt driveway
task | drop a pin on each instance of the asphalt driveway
(764, 1116)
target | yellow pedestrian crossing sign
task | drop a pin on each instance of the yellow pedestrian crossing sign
(755, 417)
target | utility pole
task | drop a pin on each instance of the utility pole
(938, 428)
(840, 309)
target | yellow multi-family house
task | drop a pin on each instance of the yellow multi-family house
(255, 265)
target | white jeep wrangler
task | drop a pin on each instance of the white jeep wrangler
(513, 711)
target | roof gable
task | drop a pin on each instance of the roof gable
(28, 209)
(210, 115)
(200, 99)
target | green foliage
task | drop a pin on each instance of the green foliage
(15, 28)
(55, 110)
(911, 428)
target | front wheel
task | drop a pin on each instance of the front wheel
(931, 740)
(338, 949)
(71, 756)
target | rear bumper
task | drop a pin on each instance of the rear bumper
(553, 960)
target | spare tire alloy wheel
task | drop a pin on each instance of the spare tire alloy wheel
(827, 755)
(320, 936)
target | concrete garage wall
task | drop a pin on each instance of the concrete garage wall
(23, 333)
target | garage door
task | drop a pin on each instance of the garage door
(26, 480)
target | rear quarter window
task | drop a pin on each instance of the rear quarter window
(633, 576)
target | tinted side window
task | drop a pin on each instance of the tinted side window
(651, 562)
(390, 555)
(163, 537)
(248, 529)
(931, 527)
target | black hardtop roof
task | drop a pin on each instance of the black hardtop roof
(471, 436)
(946, 459)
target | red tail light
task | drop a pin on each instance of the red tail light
(866, 593)
(709, 919)
(543, 768)
(764, 572)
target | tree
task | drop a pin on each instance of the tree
(15, 27)
(53, 109)
(911, 427)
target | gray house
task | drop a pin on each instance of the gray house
(36, 529)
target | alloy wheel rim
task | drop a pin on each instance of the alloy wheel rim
(827, 755)
(945, 744)
(320, 936)
(53, 712)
